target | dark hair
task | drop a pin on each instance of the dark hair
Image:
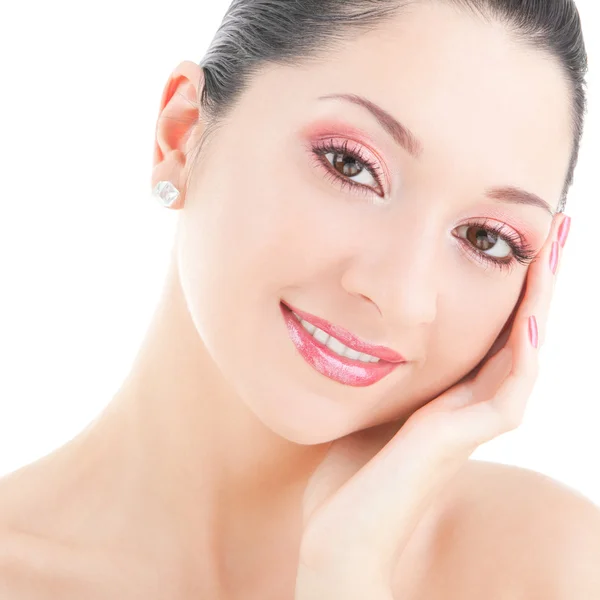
(255, 33)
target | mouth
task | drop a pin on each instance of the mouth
(335, 352)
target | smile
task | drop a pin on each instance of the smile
(344, 360)
(334, 344)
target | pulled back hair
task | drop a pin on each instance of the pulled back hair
(258, 33)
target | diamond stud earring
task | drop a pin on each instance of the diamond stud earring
(166, 193)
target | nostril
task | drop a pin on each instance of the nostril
(371, 302)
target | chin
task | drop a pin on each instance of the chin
(299, 416)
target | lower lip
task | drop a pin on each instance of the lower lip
(328, 363)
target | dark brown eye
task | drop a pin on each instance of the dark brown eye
(349, 166)
(485, 240)
(480, 238)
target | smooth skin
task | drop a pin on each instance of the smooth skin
(357, 527)
(224, 454)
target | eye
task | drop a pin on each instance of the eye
(496, 244)
(349, 166)
(485, 240)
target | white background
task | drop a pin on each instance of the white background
(84, 247)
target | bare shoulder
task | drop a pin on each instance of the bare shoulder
(33, 567)
(33, 564)
(26, 565)
(514, 533)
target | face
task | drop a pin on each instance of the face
(313, 202)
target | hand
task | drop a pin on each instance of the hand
(363, 503)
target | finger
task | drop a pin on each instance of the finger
(565, 226)
(504, 410)
(502, 338)
(529, 288)
(500, 392)
(541, 280)
(532, 273)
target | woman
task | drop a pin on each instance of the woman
(371, 222)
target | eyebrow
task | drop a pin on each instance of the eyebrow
(401, 134)
(516, 195)
(405, 138)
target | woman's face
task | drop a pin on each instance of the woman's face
(400, 253)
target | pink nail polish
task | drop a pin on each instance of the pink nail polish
(533, 331)
(563, 231)
(554, 257)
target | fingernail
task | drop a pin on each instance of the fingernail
(554, 257)
(563, 231)
(533, 331)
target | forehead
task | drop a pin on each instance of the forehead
(482, 103)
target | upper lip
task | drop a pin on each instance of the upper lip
(348, 339)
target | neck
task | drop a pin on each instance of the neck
(202, 451)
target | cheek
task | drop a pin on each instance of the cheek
(470, 322)
(290, 236)
(466, 326)
(275, 221)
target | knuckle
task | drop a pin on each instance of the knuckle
(514, 422)
(512, 417)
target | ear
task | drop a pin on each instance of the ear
(179, 113)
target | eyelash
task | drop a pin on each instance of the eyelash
(522, 252)
(323, 147)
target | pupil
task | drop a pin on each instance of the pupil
(482, 237)
(344, 163)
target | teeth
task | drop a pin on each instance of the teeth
(352, 353)
(321, 336)
(334, 344)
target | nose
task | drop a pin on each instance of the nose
(400, 275)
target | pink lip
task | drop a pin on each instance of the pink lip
(339, 368)
(381, 352)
